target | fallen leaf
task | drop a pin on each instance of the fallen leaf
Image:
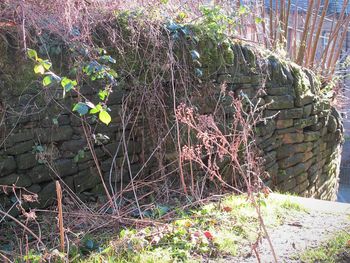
(227, 209)
(208, 235)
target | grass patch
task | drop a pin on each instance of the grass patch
(335, 250)
(215, 230)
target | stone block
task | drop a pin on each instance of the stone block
(20, 180)
(288, 185)
(283, 124)
(26, 161)
(291, 138)
(7, 165)
(301, 178)
(86, 179)
(34, 188)
(273, 171)
(20, 148)
(40, 173)
(47, 195)
(277, 91)
(280, 102)
(307, 110)
(303, 186)
(287, 150)
(116, 96)
(302, 123)
(332, 124)
(73, 145)
(269, 157)
(311, 136)
(294, 159)
(65, 167)
(295, 113)
(57, 134)
(21, 136)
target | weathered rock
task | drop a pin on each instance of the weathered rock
(307, 110)
(73, 145)
(21, 136)
(280, 102)
(7, 165)
(288, 150)
(19, 180)
(277, 91)
(302, 123)
(294, 113)
(20, 148)
(291, 138)
(290, 161)
(26, 161)
(46, 135)
(86, 179)
(311, 136)
(283, 124)
(332, 124)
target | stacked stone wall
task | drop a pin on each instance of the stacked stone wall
(42, 140)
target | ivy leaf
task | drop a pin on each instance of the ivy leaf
(113, 73)
(81, 108)
(68, 84)
(102, 94)
(39, 69)
(32, 54)
(258, 20)
(89, 244)
(104, 117)
(97, 109)
(242, 10)
(194, 55)
(46, 64)
(47, 81)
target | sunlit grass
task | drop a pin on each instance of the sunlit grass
(329, 252)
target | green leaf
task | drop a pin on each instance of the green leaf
(47, 80)
(46, 64)
(68, 84)
(104, 117)
(32, 54)
(39, 69)
(81, 108)
(102, 94)
(113, 73)
(242, 10)
(258, 20)
(97, 109)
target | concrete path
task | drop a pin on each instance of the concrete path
(304, 230)
(344, 183)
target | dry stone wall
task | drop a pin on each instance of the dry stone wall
(43, 141)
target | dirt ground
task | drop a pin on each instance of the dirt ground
(302, 231)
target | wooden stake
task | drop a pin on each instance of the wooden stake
(60, 214)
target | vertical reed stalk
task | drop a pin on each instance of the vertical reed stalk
(311, 34)
(302, 46)
(318, 32)
(60, 215)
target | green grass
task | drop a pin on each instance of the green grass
(329, 252)
(214, 230)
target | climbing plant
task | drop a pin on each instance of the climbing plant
(94, 65)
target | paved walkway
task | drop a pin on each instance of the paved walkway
(344, 186)
(302, 231)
